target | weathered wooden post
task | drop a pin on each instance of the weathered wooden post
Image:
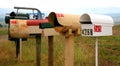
(50, 50)
(69, 51)
(48, 30)
(38, 49)
(68, 25)
(18, 43)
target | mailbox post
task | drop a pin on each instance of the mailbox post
(18, 43)
(50, 40)
(94, 26)
(38, 50)
(68, 25)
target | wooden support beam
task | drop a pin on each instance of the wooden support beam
(38, 49)
(50, 50)
(69, 50)
(18, 43)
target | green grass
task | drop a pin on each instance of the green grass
(109, 52)
(3, 31)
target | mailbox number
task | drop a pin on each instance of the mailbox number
(87, 32)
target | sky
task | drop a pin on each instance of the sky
(64, 6)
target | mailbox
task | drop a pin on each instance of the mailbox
(26, 28)
(65, 23)
(96, 25)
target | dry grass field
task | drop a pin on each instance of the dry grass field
(109, 51)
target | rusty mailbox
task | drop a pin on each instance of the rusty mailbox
(24, 25)
(65, 23)
(26, 28)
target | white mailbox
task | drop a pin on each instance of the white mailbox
(96, 25)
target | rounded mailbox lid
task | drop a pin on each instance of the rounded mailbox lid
(59, 19)
(96, 19)
(65, 23)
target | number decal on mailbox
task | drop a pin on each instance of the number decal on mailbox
(87, 32)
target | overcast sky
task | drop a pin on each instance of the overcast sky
(60, 5)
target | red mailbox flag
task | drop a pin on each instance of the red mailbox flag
(36, 22)
(97, 28)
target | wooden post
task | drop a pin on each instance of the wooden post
(69, 50)
(50, 50)
(18, 43)
(38, 50)
(17, 48)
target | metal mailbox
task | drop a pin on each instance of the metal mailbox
(25, 28)
(64, 23)
(96, 25)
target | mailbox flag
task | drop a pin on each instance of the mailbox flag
(97, 28)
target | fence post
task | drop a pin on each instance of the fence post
(69, 51)
(38, 49)
(50, 50)
(18, 43)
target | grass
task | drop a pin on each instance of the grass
(109, 52)
(3, 31)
